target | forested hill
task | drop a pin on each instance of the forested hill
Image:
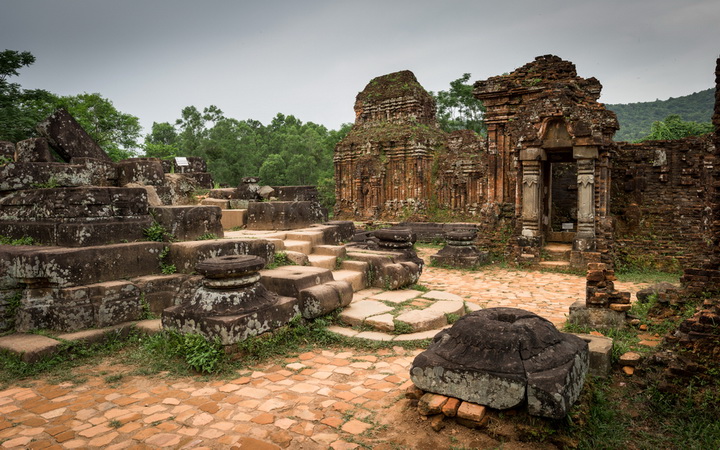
(636, 118)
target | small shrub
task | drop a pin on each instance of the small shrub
(156, 232)
(26, 240)
(202, 355)
(402, 327)
(208, 236)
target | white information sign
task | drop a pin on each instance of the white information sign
(568, 225)
(181, 161)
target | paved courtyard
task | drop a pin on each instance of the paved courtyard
(326, 398)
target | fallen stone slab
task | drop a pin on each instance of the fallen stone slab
(322, 299)
(397, 296)
(357, 312)
(68, 138)
(502, 357)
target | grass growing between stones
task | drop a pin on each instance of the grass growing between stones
(60, 366)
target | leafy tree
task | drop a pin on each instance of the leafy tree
(116, 132)
(458, 109)
(20, 109)
(673, 127)
(636, 119)
(162, 141)
(273, 170)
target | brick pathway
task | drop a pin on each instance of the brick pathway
(547, 294)
(321, 399)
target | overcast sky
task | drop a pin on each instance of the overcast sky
(310, 58)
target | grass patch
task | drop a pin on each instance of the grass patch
(280, 259)
(635, 275)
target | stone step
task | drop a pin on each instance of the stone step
(34, 347)
(233, 218)
(358, 280)
(333, 250)
(357, 266)
(314, 237)
(324, 261)
(556, 251)
(554, 264)
(298, 246)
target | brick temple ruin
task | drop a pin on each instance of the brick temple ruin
(547, 173)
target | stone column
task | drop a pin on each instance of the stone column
(531, 198)
(585, 237)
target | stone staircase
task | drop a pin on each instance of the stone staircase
(556, 255)
(311, 243)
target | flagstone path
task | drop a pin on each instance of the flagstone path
(327, 398)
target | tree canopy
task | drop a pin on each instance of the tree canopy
(636, 119)
(458, 109)
(21, 110)
(673, 127)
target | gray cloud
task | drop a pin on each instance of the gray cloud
(254, 59)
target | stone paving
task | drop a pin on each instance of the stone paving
(547, 294)
(321, 399)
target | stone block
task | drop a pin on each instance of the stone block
(30, 347)
(297, 258)
(68, 138)
(189, 222)
(147, 171)
(319, 300)
(69, 309)
(233, 329)
(358, 312)
(582, 315)
(344, 230)
(78, 216)
(177, 189)
(24, 175)
(224, 194)
(381, 322)
(296, 193)
(600, 354)
(233, 218)
(7, 151)
(291, 280)
(41, 267)
(220, 203)
(33, 150)
(186, 255)
(283, 215)
(160, 291)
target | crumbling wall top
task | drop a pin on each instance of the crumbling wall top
(396, 97)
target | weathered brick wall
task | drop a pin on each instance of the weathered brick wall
(658, 200)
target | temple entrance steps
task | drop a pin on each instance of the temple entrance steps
(555, 255)
(308, 246)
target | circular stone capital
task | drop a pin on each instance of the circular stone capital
(231, 266)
